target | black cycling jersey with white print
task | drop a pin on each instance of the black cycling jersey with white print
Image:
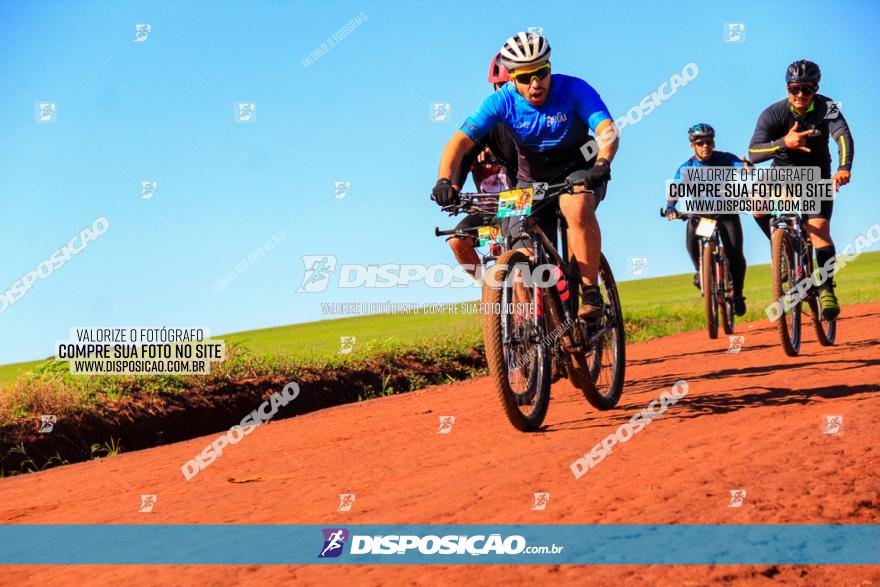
(822, 116)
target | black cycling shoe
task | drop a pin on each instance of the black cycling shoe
(739, 305)
(592, 304)
(697, 280)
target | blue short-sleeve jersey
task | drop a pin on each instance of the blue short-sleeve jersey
(571, 103)
(718, 159)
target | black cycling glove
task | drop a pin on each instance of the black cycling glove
(598, 174)
(443, 193)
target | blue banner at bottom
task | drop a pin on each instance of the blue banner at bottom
(598, 544)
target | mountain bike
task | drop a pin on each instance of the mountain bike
(791, 264)
(716, 285)
(530, 324)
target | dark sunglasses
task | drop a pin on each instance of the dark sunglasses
(702, 142)
(525, 77)
(806, 90)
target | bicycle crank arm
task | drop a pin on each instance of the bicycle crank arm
(596, 336)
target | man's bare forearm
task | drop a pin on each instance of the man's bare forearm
(609, 141)
(450, 160)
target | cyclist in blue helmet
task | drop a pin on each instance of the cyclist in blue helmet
(702, 138)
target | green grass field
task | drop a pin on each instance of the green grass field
(652, 307)
(667, 305)
(10, 372)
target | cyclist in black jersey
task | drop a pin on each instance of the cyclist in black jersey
(795, 131)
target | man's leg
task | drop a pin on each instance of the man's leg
(819, 228)
(464, 247)
(584, 236)
(820, 232)
(692, 243)
(732, 237)
(763, 221)
(465, 253)
(585, 244)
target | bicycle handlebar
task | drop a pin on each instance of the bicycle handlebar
(483, 202)
(682, 215)
(549, 190)
(455, 231)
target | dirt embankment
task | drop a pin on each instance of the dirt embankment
(143, 418)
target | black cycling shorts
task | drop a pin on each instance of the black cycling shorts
(468, 222)
(825, 210)
(548, 217)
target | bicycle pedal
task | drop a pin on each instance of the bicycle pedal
(592, 323)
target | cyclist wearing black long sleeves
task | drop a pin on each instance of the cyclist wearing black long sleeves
(795, 131)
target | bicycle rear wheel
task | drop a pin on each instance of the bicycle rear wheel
(519, 364)
(709, 286)
(783, 265)
(826, 330)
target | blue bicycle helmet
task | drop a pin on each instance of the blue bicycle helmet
(700, 130)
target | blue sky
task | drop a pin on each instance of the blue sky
(163, 109)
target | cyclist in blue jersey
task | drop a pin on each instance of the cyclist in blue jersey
(702, 138)
(550, 117)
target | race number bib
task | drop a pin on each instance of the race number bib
(706, 227)
(489, 235)
(515, 203)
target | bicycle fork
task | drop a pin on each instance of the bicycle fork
(703, 253)
(555, 301)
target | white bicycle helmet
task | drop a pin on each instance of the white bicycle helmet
(525, 50)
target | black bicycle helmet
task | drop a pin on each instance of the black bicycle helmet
(700, 130)
(803, 71)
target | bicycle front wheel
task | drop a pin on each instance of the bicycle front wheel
(519, 364)
(710, 295)
(783, 265)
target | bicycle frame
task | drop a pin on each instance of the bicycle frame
(802, 287)
(705, 243)
(542, 251)
(549, 336)
(719, 301)
(793, 224)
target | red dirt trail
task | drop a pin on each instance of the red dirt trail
(751, 420)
